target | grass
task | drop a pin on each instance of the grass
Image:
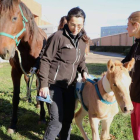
(28, 114)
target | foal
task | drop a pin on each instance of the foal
(113, 86)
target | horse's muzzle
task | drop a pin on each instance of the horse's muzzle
(126, 110)
(7, 54)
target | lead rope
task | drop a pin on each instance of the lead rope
(29, 90)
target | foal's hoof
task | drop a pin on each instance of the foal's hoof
(11, 131)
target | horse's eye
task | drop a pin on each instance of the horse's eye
(14, 19)
(114, 85)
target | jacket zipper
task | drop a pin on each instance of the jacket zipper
(56, 72)
(75, 61)
(76, 58)
(73, 67)
(79, 55)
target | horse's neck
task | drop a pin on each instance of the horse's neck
(35, 42)
(106, 96)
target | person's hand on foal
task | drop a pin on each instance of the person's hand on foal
(85, 76)
(43, 92)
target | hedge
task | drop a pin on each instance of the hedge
(116, 49)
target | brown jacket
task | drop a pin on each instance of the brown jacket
(61, 60)
(135, 72)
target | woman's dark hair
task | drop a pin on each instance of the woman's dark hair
(76, 12)
(62, 22)
(85, 38)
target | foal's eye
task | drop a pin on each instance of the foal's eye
(114, 85)
(14, 19)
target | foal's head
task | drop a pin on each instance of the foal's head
(12, 25)
(119, 79)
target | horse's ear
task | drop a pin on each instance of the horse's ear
(110, 66)
(129, 65)
(18, 1)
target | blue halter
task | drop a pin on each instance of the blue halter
(24, 29)
(98, 93)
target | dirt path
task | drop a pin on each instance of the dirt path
(102, 57)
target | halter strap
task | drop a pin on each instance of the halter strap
(99, 95)
(20, 33)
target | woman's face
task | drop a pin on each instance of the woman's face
(75, 24)
(131, 29)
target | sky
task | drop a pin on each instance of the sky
(99, 13)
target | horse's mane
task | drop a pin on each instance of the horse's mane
(9, 5)
(5, 4)
(30, 17)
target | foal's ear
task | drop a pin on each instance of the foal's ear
(110, 66)
(129, 65)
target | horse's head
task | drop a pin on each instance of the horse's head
(119, 79)
(12, 27)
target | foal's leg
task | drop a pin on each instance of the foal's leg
(79, 115)
(105, 129)
(27, 79)
(94, 127)
(16, 76)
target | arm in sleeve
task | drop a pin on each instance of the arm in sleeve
(45, 62)
(82, 66)
(37, 64)
(129, 56)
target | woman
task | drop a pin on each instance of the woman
(62, 58)
(134, 31)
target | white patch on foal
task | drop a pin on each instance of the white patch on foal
(106, 86)
(125, 81)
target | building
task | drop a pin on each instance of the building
(36, 9)
(49, 29)
(122, 39)
(113, 30)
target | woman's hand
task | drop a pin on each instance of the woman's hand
(43, 92)
(85, 76)
(33, 70)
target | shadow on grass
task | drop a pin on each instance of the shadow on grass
(75, 137)
(27, 125)
(4, 136)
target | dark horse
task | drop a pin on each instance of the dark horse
(19, 30)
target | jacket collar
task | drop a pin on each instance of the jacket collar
(67, 30)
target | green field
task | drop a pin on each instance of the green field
(28, 128)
